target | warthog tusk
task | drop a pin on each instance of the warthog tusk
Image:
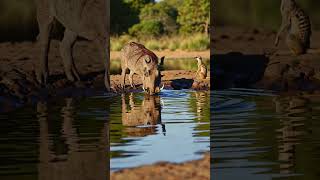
(162, 102)
(162, 87)
(143, 89)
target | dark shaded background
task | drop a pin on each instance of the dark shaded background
(18, 17)
(259, 13)
(18, 20)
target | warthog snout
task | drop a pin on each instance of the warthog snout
(152, 82)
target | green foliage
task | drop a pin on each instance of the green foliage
(174, 3)
(147, 29)
(161, 12)
(125, 13)
(167, 16)
(137, 5)
(194, 16)
(122, 17)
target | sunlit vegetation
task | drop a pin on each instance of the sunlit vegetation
(163, 25)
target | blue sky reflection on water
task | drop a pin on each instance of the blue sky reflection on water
(179, 144)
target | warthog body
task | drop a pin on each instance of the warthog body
(139, 60)
(84, 18)
(148, 113)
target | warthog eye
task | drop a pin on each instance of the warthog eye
(148, 60)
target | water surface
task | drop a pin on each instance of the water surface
(173, 127)
(68, 138)
(64, 139)
(256, 135)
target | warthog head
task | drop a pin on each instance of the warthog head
(151, 75)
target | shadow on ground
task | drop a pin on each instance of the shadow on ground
(237, 70)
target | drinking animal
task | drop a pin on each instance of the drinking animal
(297, 23)
(84, 18)
(140, 60)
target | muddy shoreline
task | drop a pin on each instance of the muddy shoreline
(196, 169)
(18, 85)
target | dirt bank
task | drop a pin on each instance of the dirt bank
(171, 54)
(18, 85)
(248, 58)
(193, 170)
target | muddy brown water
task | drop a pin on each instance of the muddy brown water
(257, 135)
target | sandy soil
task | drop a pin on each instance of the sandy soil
(193, 170)
(275, 67)
(252, 41)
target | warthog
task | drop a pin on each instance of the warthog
(140, 60)
(148, 113)
(84, 18)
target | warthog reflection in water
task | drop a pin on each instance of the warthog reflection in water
(69, 159)
(147, 114)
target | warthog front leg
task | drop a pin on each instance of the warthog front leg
(131, 79)
(123, 75)
(42, 70)
(66, 53)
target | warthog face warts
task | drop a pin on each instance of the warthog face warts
(152, 78)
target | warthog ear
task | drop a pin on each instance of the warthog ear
(162, 60)
(147, 60)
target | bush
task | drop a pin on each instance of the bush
(147, 29)
(163, 12)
